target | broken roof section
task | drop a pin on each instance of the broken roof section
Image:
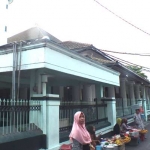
(30, 34)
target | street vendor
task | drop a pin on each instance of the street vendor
(124, 126)
(139, 123)
(138, 120)
(116, 129)
(95, 139)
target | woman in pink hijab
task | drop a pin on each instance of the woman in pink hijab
(79, 135)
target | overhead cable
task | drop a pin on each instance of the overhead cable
(122, 18)
(125, 53)
(128, 63)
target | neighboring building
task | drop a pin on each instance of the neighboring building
(133, 88)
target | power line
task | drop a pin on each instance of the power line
(122, 18)
(128, 63)
(125, 53)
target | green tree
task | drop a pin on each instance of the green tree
(138, 70)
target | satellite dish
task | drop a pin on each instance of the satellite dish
(10, 1)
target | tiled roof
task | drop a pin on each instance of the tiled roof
(101, 60)
(74, 45)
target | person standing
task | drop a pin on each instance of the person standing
(79, 135)
(138, 120)
(139, 123)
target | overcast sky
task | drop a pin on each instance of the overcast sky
(86, 21)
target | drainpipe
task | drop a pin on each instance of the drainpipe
(14, 73)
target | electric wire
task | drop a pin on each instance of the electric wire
(127, 63)
(126, 53)
(122, 18)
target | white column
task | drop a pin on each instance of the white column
(123, 91)
(143, 92)
(87, 92)
(146, 95)
(43, 108)
(99, 91)
(52, 124)
(131, 92)
(144, 101)
(111, 111)
(137, 93)
(111, 92)
(76, 93)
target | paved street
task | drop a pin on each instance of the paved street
(145, 145)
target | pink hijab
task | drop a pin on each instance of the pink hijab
(78, 131)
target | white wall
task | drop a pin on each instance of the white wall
(63, 63)
(51, 59)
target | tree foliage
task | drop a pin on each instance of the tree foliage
(138, 70)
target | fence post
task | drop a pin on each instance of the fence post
(52, 104)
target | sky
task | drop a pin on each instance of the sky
(86, 21)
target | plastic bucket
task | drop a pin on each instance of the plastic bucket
(98, 147)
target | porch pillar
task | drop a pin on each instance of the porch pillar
(87, 92)
(76, 93)
(44, 81)
(111, 92)
(147, 96)
(99, 91)
(43, 103)
(148, 91)
(144, 101)
(123, 91)
(111, 110)
(137, 94)
(131, 92)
